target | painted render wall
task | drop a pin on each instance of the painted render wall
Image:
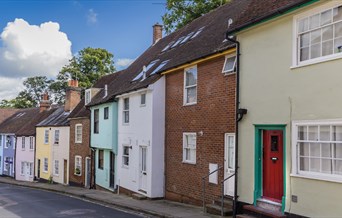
(146, 128)
(106, 139)
(60, 152)
(24, 155)
(274, 93)
(9, 152)
(1, 153)
(43, 151)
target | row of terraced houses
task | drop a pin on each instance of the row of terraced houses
(241, 104)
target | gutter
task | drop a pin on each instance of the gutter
(277, 13)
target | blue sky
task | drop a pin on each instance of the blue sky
(122, 27)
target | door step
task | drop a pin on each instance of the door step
(137, 196)
(255, 211)
(269, 205)
(215, 207)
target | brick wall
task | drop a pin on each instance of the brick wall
(81, 149)
(214, 114)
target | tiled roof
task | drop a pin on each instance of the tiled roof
(18, 120)
(256, 11)
(30, 128)
(58, 118)
(6, 113)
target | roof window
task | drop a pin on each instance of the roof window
(161, 65)
(187, 37)
(178, 41)
(145, 69)
(168, 46)
(198, 32)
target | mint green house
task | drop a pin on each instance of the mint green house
(103, 133)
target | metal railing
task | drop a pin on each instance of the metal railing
(203, 187)
(222, 193)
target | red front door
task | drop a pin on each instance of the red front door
(273, 165)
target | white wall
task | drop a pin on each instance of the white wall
(60, 152)
(146, 127)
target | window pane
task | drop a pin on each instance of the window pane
(315, 50)
(126, 104)
(338, 45)
(302, 133)
(304, 54)
(230, 64)
(338, 150)
(327, 33)
(338, 167)
(304, 164)
(324, 133)
(337, 133)
(191, 95)
(326, 17)
(305, 40)
(315, 150)
(315, 165)
(314, 21)
(316, 36)
(338, 30)
(326, 150)
(191, 77)
(337, 13)
(326, 166)
(327, 48)
(303, 25)
(313, 133)
(304, 149)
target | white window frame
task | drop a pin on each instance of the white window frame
(185, 91)
(186, 147)
(6, 159)
(141, 98)
(23, 143)
(78, 164)
(106, 113)
(46, 136)
(8, 141)
(124, 111)
(87, 96)
(56, 137)
(45, 165)
(31, 168)
(56, 167)
(125, 156)
(296, 51)
(78, 136)
(22, 166)
(233, 69)
(31, 143)
(296, 172)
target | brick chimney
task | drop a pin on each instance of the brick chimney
(45, 102)
(157, 32)
(72, 95)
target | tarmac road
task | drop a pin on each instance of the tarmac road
(24, 202)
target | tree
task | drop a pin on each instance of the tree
(87, 67)
(181, 12)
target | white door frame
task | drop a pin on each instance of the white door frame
(229, 163)
(143, 168)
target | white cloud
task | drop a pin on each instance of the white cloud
(92, 16)
(10, 87)
(123, 62)
(30, 50)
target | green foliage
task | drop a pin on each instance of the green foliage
(88, 66)
(181, 12)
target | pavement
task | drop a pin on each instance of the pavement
(155, 208)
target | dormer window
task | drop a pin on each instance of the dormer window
(229, 64)
(87, 97)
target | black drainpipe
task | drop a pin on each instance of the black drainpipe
(237, 119)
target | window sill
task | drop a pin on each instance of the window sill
(314, 62)
(125, 166)
(100, 168)
(78, 142)
(190, 104)
(125, 124)
(320, 178)
(189, 162)
(143, 105)
(228, 73)
(77, 174)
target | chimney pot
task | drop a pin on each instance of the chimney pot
(44, 103)
(157, 32)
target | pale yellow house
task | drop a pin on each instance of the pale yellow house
(290, 141)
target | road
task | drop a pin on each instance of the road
(16, 201)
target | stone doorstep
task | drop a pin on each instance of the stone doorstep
(137, 196)
(245, 216)
(227, 203)
(269, 205)
(216, 210)
(255, 211)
